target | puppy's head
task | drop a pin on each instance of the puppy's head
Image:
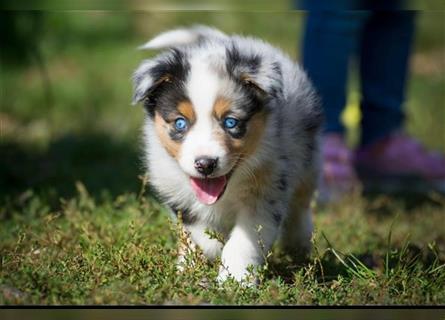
(209, 106)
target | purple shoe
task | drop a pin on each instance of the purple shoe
(338, 175)
(398, 163)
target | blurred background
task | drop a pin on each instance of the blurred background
(66, 117)
(65, 112)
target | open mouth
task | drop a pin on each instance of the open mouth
(209, 190)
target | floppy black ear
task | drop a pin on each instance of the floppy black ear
(169, 67)
(255, 71)
(142, 81)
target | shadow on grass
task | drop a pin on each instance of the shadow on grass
(329, 267)
(383, 205)
(101, 163)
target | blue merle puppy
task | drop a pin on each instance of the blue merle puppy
(231, 142)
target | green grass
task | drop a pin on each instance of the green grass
(77, 226)
(122, 250)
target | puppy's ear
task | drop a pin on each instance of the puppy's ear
(169, 68)
(255, 71)
(143, 81)
(183, 36)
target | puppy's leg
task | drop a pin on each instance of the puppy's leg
(195, 235)
(298, 227)
(248, 244)
(210, 247)
(297, 234)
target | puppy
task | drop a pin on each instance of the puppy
(231, 142)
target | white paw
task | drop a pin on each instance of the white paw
(235, 265)
(246, 279)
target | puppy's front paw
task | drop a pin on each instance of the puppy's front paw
(247, 279)
(223, 275)
(238, 269)
(239, 260)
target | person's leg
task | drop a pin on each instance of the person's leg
(384, 55)
(388, 158)
(330, 39)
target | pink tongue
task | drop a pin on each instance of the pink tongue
(208, 191)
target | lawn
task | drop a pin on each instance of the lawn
(80, 226)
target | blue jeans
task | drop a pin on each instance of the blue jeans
(381, 40)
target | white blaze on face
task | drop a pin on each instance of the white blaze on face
(202, 88)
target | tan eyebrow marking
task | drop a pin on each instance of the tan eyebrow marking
(186, 109)
(221, 107)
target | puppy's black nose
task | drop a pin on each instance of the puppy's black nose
(206, 165)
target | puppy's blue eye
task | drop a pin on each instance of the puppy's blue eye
(180, 124)
(230, 123)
